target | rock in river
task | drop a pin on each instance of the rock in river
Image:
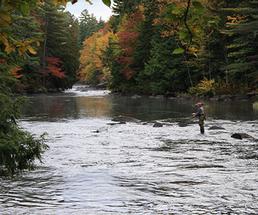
(125, 119)
(157, 125)
(116, 123)
(215, 127)
(241, 136)
(183, 124)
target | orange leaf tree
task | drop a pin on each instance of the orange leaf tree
(92, 69)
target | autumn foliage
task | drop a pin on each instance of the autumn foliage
(90, 59)
(92, 66)
(15, 72)
(54, 67)
(127, 39)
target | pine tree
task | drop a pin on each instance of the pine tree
(88, 25)
(147, 31)
(164, 72)
(243, 43)
(60, 50)
(121, 7)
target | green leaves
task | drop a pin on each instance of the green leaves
(178, 51)
(199, 8)
(173, 12)
(183, 35)
(107, 2)
(18, 148)
(25, 8)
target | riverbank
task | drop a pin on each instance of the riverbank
(251, 96)
(236, 97)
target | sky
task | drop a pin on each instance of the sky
(97, 8)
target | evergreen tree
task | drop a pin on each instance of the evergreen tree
(109, 58)
(88, 25)
(121, 7)
(60, 51)
(147, 30)
(243, 43)
(70, 56)
(163, 73)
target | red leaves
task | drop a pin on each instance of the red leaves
(128, 35)
(127, 40)
(124, 60)
(53, 67)
(2, 61)
(14, 71)
(128, 73)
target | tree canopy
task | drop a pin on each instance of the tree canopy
(168, 46)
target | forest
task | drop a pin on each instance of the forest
(153, 47)
(201, 47)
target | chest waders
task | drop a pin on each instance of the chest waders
(201, 123)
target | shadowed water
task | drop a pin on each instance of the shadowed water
(94, 167)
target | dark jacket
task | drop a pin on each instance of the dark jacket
(199, 112)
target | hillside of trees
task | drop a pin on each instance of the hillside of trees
(202, 47)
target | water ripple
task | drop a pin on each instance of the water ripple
(134, 168)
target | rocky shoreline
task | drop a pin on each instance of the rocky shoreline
(220, 98)
(253, 96)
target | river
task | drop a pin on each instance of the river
(95, 166)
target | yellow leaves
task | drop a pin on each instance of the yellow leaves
(5, 18)
(8, 47)
(165, 34)
(6, 9)
(21, 46)
(31, 50)
(193, 50)
(205, 87)
(141, 8)
(91, 54)
(14, 71)
(25, 46)
(58, 2)
(235, 19)
(206, 84)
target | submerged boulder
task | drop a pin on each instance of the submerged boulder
(241, 136)
(102, 86)
(215, 127)
(116, 123)
(157, 125)
(96, 131)
(123, 119)
(183, 124)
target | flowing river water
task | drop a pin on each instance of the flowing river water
(97, 166)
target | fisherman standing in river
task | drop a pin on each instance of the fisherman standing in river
(200, 114)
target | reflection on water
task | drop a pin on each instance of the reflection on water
(93, 107)
(134, 168)
(255, 106)
(73, 106)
